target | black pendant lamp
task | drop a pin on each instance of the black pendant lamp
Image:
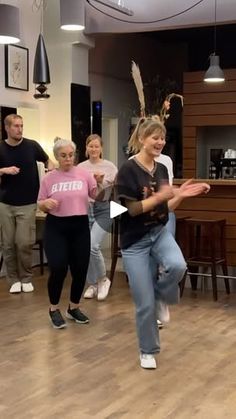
(41, 75)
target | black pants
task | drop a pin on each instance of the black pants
(67, 245)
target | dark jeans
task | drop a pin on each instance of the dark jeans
(67, 245)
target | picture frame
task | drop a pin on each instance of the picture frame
(16, 67)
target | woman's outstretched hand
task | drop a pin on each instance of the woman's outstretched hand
(189, 188)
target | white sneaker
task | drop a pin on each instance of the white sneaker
(160, 325)
(27, 287)
(103, 288)
(163, 313)
(15, 288)
(91, 291)
(148, 361)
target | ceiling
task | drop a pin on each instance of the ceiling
(154, 15)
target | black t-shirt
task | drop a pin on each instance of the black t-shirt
(21, 189)
(134, 182)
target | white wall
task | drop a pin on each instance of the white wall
(29, 27)
(68, 62)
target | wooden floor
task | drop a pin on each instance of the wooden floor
(92, 371)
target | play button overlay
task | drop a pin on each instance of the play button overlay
(116, 209)
(104, 214)
(106, 208)
(104, 211)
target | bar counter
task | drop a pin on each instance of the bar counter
(219, 203)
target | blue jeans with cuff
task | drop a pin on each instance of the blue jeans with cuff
(157, 247)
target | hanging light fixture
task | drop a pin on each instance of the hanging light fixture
(9, 24)
(119, 6)
(214, 74)
(72, 14)
(41, 70)
(41, 73)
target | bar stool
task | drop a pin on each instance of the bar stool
(206, 247)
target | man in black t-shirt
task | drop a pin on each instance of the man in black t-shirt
(19, 185)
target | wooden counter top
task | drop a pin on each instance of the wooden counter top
(216, 182)
(219, 203)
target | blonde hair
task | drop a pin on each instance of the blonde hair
(61, 142)
(90, 138)
(9, 119)
(144, 128)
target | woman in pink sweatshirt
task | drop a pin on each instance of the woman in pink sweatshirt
(64, 195)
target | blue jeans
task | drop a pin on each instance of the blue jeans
(158, 247)
(100, 223)
(171, 224)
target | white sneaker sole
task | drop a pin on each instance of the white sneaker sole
(58, 327)
(68, 316)
(146, 366)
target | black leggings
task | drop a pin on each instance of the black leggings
(67, 245)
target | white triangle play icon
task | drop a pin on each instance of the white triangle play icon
(116, 209)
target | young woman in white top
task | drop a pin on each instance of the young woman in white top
(99, 216)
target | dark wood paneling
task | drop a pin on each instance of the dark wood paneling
(201, 98)
(209, 120)
(230, 74)
(210, 204)
(189, 173)
(229, 86)
(189, 153)
(219, 203)
(189, 131)
(189, 142)
(211, 109)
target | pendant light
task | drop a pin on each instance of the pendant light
(214, 74)
(9, 24)
(72, 13)
(41, 70)
(41, 73)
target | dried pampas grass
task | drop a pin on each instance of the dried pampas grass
(139, 86)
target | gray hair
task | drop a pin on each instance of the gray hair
(61, 142)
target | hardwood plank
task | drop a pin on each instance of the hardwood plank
(189, 173)
(209, 203)
(201, 87)
(189, 164)
(208, 215)
(210, 109)
(189, 142)
(189, 77)
(189, 131)
(209, 120)
(92, 371)
(214, 97)
(189, 153)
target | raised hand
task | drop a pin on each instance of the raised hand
(165, 193)
(188, 189)
(99, 177)
(12, 170)
(50, 204)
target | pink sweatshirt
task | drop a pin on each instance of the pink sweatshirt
(71, 189)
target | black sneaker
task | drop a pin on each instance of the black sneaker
(76, 315)
(57, 320)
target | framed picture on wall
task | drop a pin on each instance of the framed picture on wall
(16, 67)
